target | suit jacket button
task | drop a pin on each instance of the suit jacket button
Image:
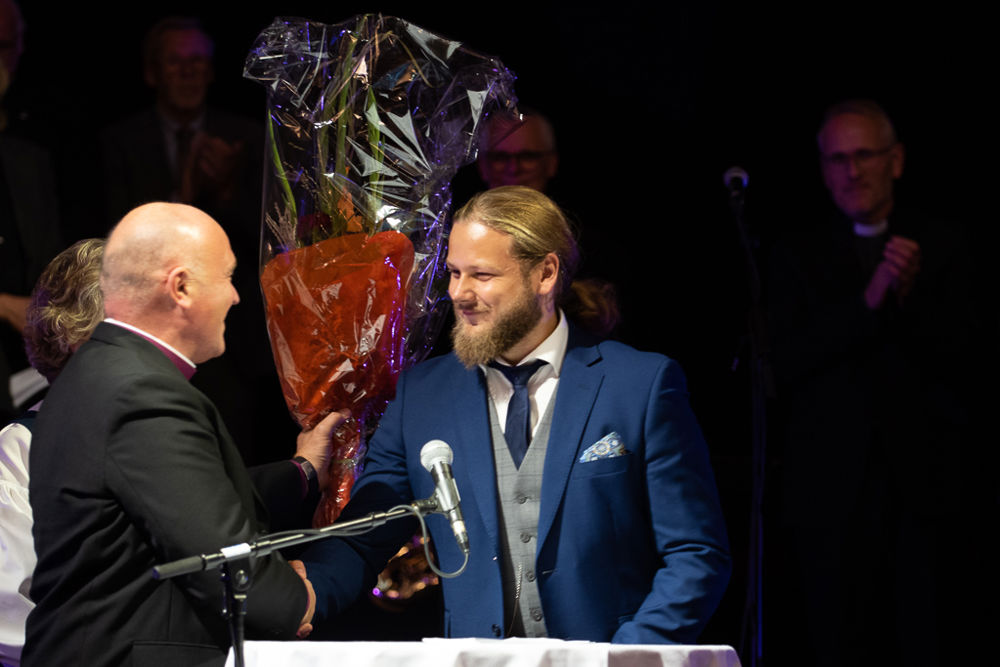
(496, 630)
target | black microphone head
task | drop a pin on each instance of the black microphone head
(737, 174)
(435, 451)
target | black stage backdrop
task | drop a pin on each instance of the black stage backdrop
(651, 106)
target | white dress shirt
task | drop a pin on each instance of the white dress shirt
(542, 385)
(146, 334)
(17, 550)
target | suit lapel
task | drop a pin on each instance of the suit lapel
(473, 447)
(154, 360)
(579, 383)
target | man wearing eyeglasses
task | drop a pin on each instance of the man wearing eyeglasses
(519, 151)
(870, 333)
(861, 160)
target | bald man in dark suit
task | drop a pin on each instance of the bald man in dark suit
(132, 466)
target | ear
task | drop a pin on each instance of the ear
(179, 286)
(898, 157)
(552, 165)
(549, 277)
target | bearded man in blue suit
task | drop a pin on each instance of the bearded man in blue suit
(608, 527)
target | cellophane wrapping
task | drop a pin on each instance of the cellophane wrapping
(367, 122)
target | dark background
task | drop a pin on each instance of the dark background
(651, 106)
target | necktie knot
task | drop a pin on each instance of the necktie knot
(518, 375)
(518, 425)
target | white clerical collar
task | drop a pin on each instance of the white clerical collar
(146, 334)
(551, 350)
(872, 230)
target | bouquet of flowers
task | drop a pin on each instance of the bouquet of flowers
(368, 121)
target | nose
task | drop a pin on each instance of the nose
(853, 166)
(236, 295)
(459, 288)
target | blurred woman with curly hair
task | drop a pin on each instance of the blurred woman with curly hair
(66, 305)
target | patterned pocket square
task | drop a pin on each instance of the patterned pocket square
(607, 447)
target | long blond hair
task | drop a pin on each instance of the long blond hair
(537, 226)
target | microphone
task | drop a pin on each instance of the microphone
(436, 457)
(735, 180)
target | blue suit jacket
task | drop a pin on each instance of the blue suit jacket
(631, 549)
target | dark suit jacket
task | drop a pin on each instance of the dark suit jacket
(132, 467)
(137, 171)
(29, 197)
(30, 184)
(631, 549)
(875, 414)
(853, 383)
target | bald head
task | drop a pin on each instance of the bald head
(144, 246)
(167, 270)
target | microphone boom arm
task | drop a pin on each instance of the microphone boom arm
(269, 543)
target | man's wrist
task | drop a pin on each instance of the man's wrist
(309, 473)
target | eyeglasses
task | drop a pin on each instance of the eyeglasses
(498, 159)
(178, 63)
(861, 157)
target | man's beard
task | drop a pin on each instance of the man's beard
(505, 332)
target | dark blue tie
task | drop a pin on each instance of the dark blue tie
(518, 429)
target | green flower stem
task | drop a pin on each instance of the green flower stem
(279, 170)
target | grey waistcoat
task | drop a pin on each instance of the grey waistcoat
(519, 492)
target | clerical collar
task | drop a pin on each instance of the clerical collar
(183, 364)
(551, 350)
(871, 231)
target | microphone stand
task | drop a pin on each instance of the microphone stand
(760, 388)
(236, 579)
(234, 606)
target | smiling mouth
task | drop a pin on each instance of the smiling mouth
(856, 189)
(470, 315)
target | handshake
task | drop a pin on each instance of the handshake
(315, 446)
